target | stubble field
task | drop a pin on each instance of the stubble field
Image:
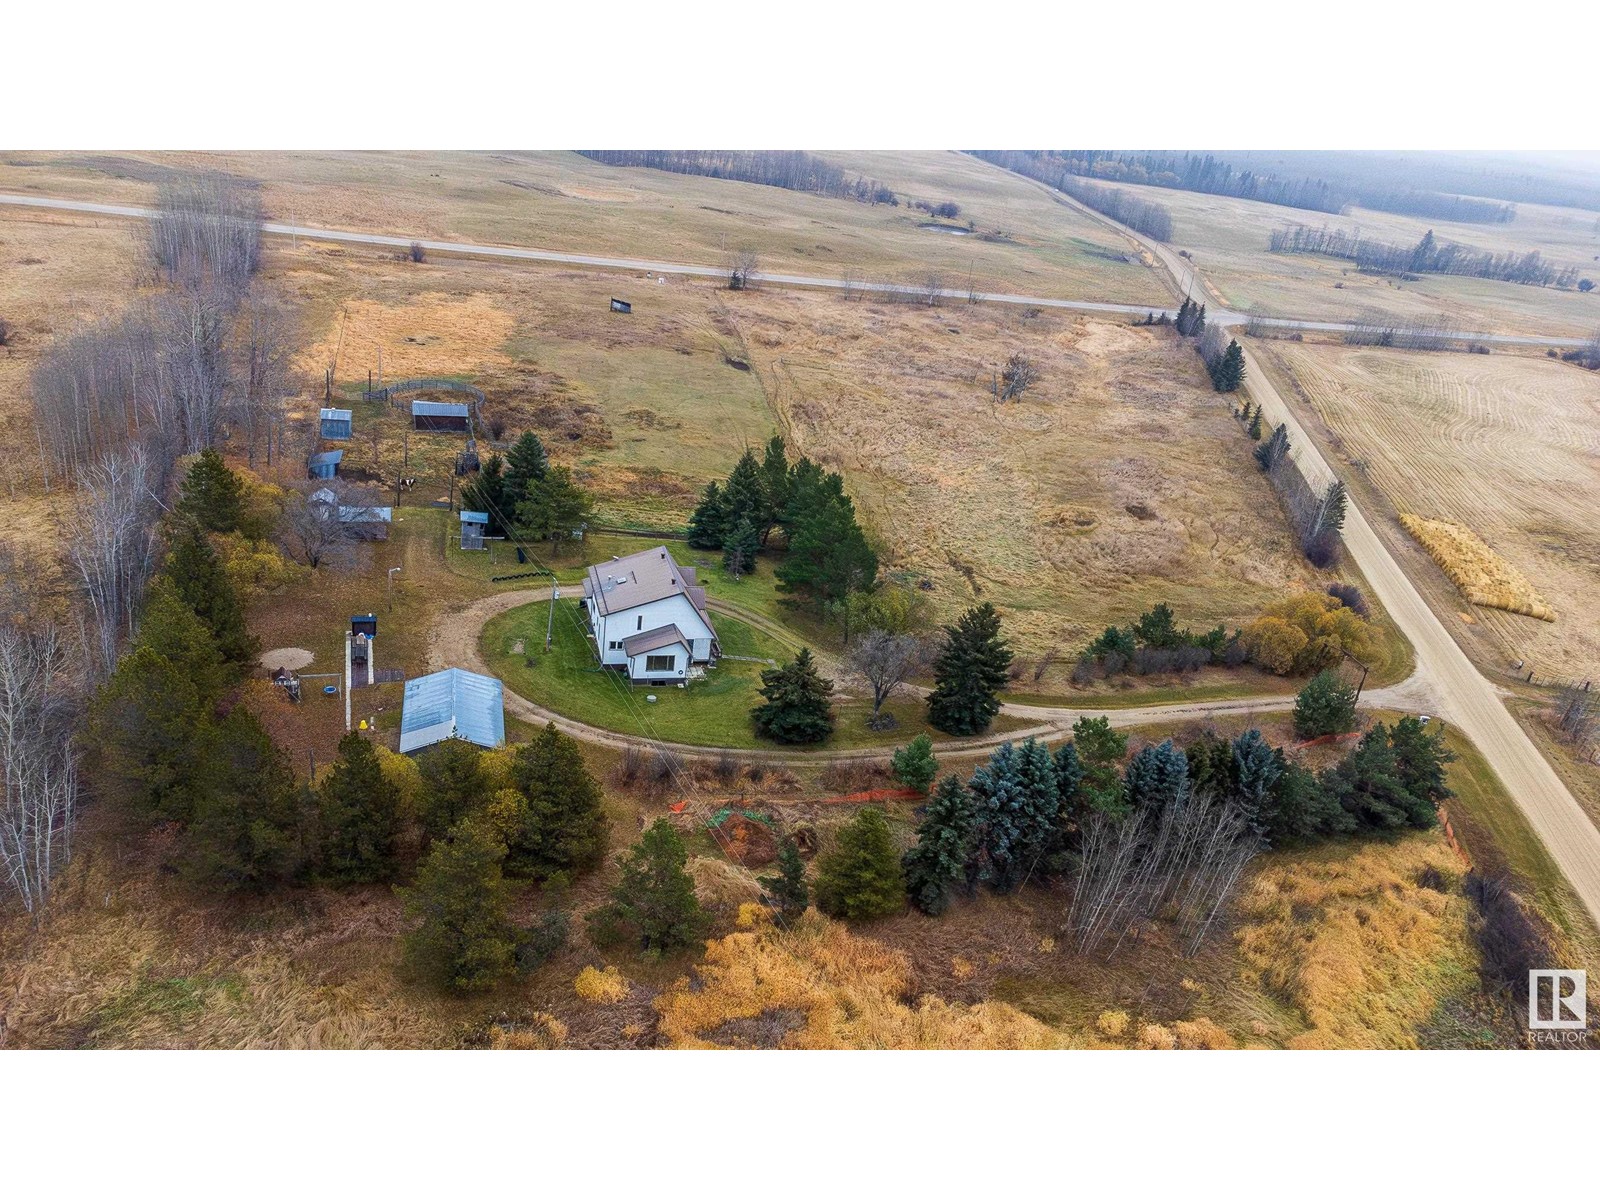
(1506, 446)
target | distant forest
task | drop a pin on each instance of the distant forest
(1212, 176)
(1145, 216)
(794, 170)
(1430, 256)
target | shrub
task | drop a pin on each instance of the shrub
(418, 253)
(5, 332)
(600, 987)
(1157, 1037)
(914, 764)
(1349, 595)
(1306, 632)
(1112, 1023)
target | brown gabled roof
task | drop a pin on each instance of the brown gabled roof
(654, 639)
(625, 583)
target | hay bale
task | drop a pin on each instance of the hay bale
(1482, 575)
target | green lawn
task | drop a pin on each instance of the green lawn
(714, 711)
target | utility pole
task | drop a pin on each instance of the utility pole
(393, 571)
(347, 681)
(550, 625)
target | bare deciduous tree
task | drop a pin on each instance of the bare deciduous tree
(261, 377)
(38, 760)
(206, 234)
(885, 661)
(110, 534)
(851, 278)
(1577, 715)
(1020, 374)
(931, 289)
(743, 269)
(310, 528)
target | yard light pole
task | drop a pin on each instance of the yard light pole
(550, 625)
(393, 571)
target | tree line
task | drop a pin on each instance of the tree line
(1148, 218)
(794, 170)
(1209, 175)
(523, 494)
(1315, 517)
(1166, 832)
(1430, 256)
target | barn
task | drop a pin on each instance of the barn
(324, 465)
(440, 416)
(336, 424)
(452, 704)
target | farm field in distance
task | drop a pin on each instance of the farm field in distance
(1228, 239)
(1505, 445)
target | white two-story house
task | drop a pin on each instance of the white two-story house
(648, 617)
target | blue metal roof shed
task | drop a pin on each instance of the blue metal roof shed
(336, 423)
(473, 525)
(452, 703)
(325, 465)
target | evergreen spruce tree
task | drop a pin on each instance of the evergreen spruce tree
(1069, 776)
(211, 495)
(561, 825)
(708, 525)
(1210, 765)
(463, 939)
(1228, 372)
(1255, 425)
(1157, 777)
(744, 496)
(1420, 760)
(1369, 785)
(555, 507)
(152, 720)
(828, 553)
(202, 581)
(486, 492)
(358, 816)
(1302, 809)
(914, 765)
(1197, 322)
(969, 673)
(453, 785)
(526, 464)
(739, 548)
(1016, 798)
(861, 877)
(654, 901)
(799, 703)
(1326, 705)
(786, 891)
(943, 849)
(243, 834)
(774, 488)
(1257, 767)
(1100, 749)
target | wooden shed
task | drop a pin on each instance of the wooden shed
(336, 424)
(440, 416)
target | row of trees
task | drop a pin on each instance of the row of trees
(1224, 359)
(1430, 256)
(792, 169)
(1316, 517)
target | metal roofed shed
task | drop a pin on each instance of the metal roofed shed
(473, 527)
(440, 416)
(324, 465)
(452, 704)
(337, 423)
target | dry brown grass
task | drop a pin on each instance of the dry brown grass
(818, 986)
(1482, 575)
(429, 334)
(1118, 481)
(1357, 948)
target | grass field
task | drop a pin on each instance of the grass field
(561, 201)
(1228, 240)
(1504, 446)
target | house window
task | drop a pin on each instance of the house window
(659, 662)
(641, 622)
(615, 646)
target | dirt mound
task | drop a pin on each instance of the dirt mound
(290, 658)
(748, 842)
